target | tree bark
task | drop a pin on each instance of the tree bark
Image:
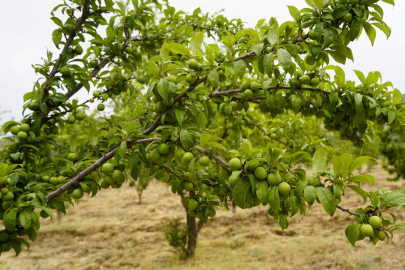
(192, 237)
(59, 217)
(140, 197)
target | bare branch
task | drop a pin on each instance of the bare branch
(348, 211)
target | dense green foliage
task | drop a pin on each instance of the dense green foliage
(178, 107)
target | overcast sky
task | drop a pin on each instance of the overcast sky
(26, 33)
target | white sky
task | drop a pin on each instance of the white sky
(26, 35)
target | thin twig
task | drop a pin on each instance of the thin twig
(348, 211)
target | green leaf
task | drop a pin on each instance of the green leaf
(178, 48)
(16, 246)
(352, 232)
(391, 117)
(360, 75)
(368, 179)
(204, 139)
(394, 198)
(360, 161)
(359, 191)
(186, 139)
(272, 35)
(262, 189)
(346, 161)
(327, 200)
(319, 162)
(240, 68)
(370, 31)
(328, 37)
(25, 219)
(240, 192)
(164, 89)
(337, 166)
(283, 222)
(274, 199)
(284, 58)
(196, 41)
(10, 219)
(268, 64)
(295, 13)
(32, 234)
(213, 77)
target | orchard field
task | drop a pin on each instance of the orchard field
(112, 231)
(261, 120)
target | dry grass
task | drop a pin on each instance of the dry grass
(112, 231)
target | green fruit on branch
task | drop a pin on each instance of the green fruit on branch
(312, 181)
(77, 194)
(141, 79)
(54, 180)
(5, 247)
(4, 237)
(274, 178)
(14, 130)
(247, 94)
(315, 81)
(204, 161)
(155, 156)
(191, 78)
(9, 196)
(192, 204)
(101, 107)
(71, 119)
(78, 50)
(284, 189)
(66, 71)
(348, 18)
(22, 135)
(188, 186)
(107, 168)
(381, 235)
(375, 222)
(96, 94)
(104, 184)
(108, 179)
(93, 63)
(80, 115)
(254, 86)
(128, 50)
(212, 212)
(4, 190)
(235, 164)
(193, 64)
(163, 149)
(187, 158)
(25, 127)
(311, 34)
(55, 130)
(117, 176)
(366, 230)
(305, 79)
(172, 78)
(45, 178)
(170, 102)
(72, 156)
(260, 173)
(310, 60)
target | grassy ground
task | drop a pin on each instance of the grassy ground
(112, 231)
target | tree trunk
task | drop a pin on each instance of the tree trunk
(192, 237)
(193, 229)
(140, 197)
(59, 216)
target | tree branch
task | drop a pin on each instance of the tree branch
(348, 211)
(55, 69)
(74, 181)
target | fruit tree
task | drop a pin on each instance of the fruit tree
(206, 105)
